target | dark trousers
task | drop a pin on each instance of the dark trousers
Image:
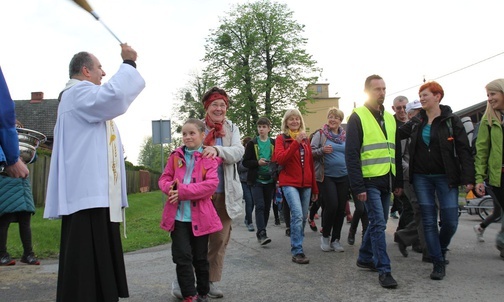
(406, 213)
(190, 255)
(23, 218)
(336, 194)
(262, 194)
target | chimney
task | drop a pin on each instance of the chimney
(36, 97)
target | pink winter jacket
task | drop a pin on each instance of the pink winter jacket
(203, 214)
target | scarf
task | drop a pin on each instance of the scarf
(215, 130)
(117, 213)
(293, 134)
(339, 138)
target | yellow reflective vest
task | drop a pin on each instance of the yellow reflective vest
(377, 151)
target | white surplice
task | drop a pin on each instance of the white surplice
(79, 171)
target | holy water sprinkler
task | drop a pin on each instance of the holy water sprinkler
(85, 5)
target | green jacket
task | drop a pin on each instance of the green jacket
(488, 160)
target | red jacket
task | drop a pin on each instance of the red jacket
(288, 156)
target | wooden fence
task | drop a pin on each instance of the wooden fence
(136, 181)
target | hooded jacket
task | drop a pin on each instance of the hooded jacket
(204, 181)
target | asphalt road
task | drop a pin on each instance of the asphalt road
(255, 273)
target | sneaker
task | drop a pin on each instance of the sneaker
(368, 265)
(190, 299)
(438, 272)
(394, 215)
(300, 259)
(336, 246)
(30, 259)
(313, 226)
(250, 227)
(175, 290)
(386, 280)
(262, 238)
(6, 260)
(479, 232)
(202, 298)
(324, 244)
(287, 232)
(277, 221)
(215, 292)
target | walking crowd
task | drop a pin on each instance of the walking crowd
(417, 159)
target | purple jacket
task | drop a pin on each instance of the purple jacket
(203, 185)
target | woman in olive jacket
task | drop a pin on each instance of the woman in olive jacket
(489, 144)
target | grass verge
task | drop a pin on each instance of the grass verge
(142, 228)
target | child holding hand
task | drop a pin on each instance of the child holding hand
(190, 180)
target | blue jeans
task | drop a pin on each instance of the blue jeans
(249, 202)
(262, 194)
(298, 200)
(374, 246)
(427, 187)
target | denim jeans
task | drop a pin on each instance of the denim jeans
(249, 202)
(262, 194)
(374, 246)
(298, 200)
(427, 187)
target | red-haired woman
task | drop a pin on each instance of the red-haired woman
(440, 161)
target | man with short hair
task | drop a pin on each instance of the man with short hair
(373, 169)
(401, 117)
(87, 178)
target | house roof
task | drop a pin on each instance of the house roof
(38, 116)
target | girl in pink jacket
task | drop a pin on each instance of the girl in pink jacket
(190, 180)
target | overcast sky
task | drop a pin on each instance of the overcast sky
(403, 41)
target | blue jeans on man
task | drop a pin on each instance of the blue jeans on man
(427, 186)
(374, 245)
(298, 200)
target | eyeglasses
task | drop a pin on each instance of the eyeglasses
(400, 107)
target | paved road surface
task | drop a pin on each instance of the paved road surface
(254, 273)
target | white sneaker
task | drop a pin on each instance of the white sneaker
(479, 232)
(336, 245)
(175, 290)
(324, 244)
(215, 292)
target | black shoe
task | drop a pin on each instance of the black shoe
(6, 260)
(386, 280)
(300, 259)
(438, 272)
(30, 259)
(264, 240)
(287, 232)
(368, 265)
(351, 236)
(312, 224)
(277, 221)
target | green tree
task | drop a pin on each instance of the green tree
(258, 55)
(150, 154)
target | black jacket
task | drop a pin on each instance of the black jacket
(448, 152)
(251, 162)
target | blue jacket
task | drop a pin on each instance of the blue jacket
(9, 143)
